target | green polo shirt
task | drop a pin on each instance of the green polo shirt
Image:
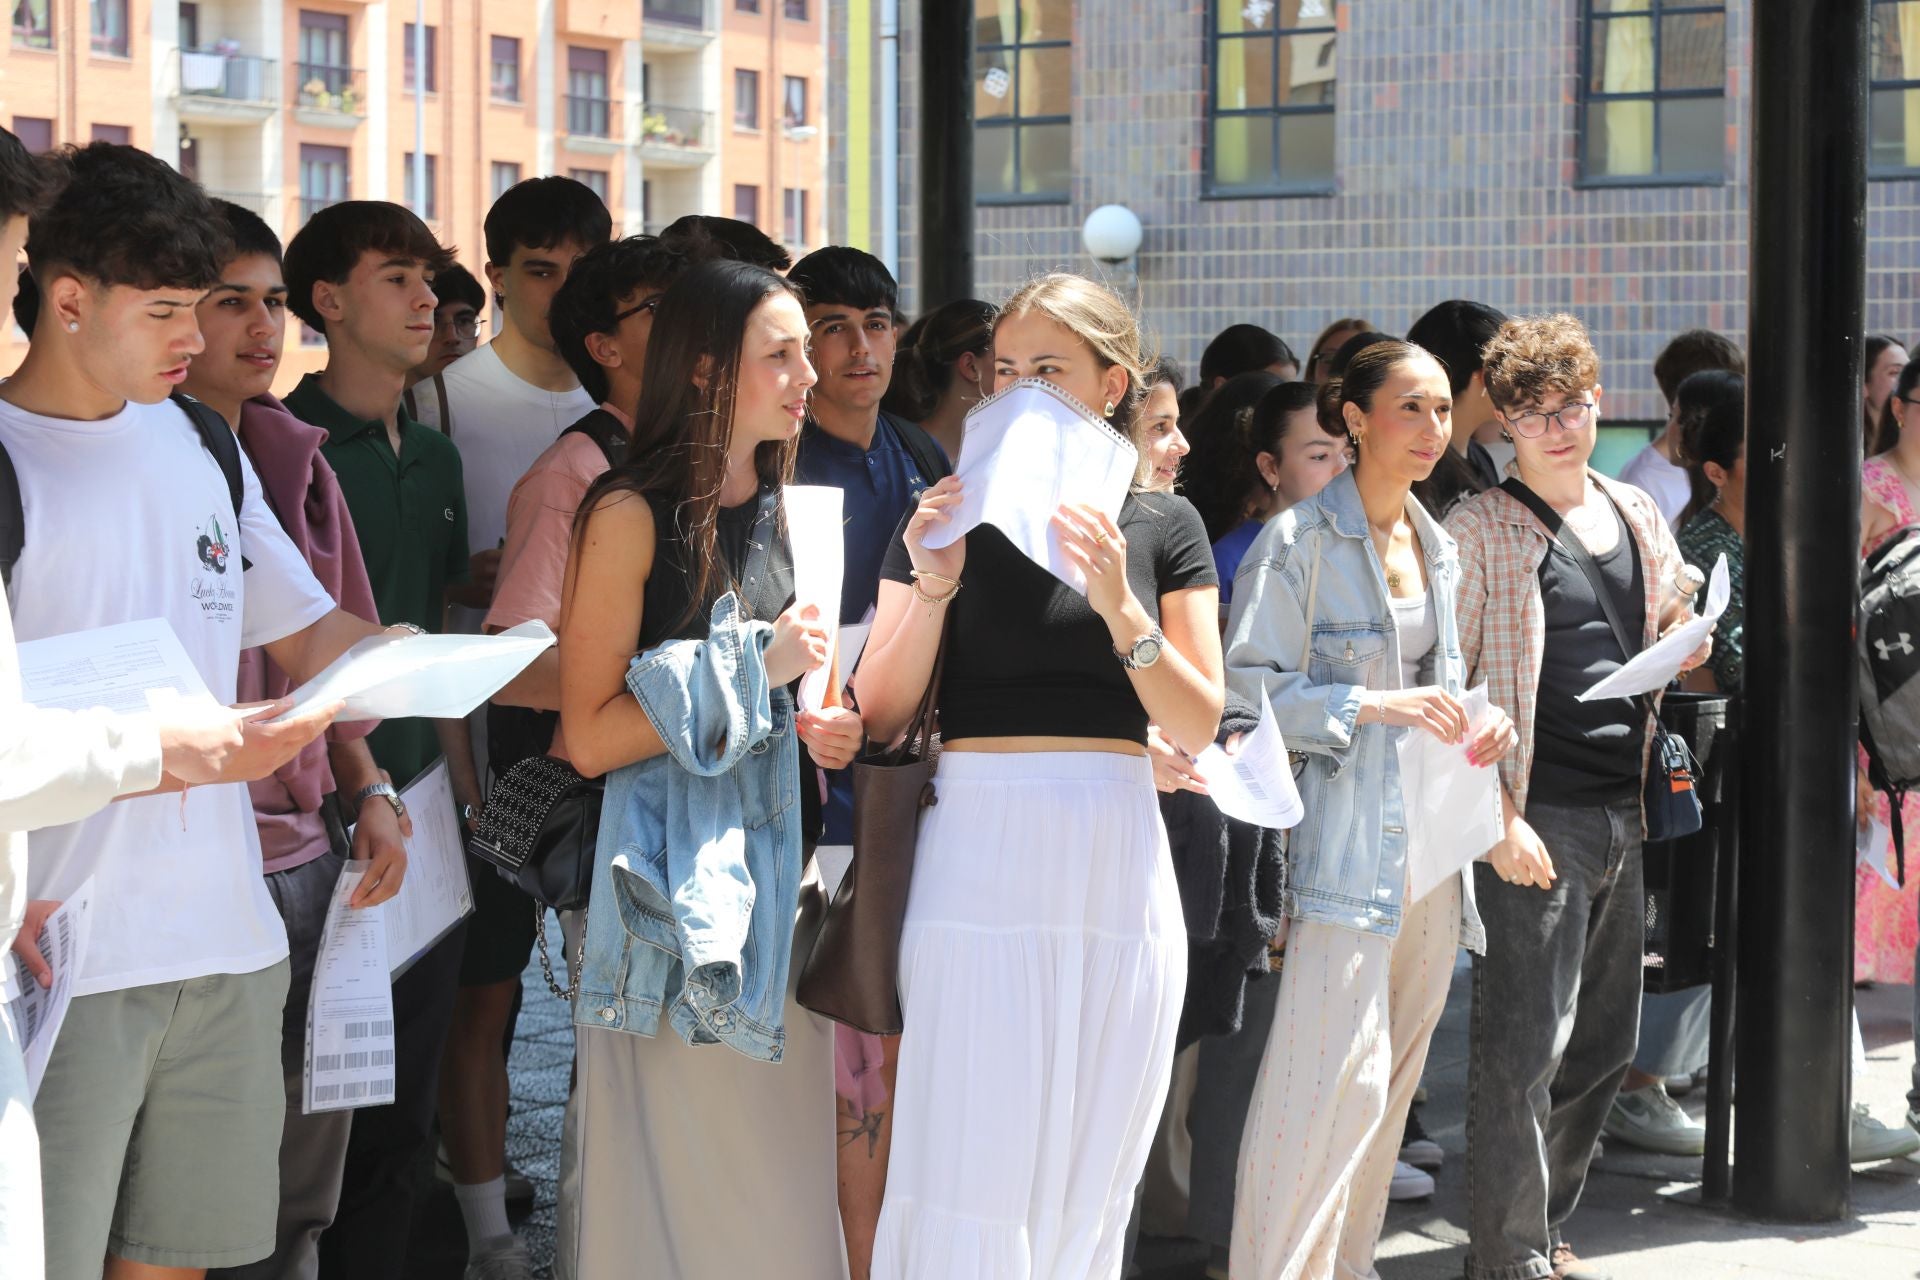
(410, 513)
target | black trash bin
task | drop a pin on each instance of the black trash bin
(1681, 873)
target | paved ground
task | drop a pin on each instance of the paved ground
(1640, 1215)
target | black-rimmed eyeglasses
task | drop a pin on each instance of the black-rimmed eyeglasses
(650, 306)
(1577, 416)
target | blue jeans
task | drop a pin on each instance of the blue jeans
(1556, 1008)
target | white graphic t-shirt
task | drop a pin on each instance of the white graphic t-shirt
(130, 518)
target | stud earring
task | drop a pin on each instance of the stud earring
(1109, 408)
(73, 326)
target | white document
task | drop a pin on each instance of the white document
(1655, 666)
(814, 527)
(443, 677)
(36, 1011)
(123, 668)
(1451, 807)
(1255, 784)
(350, 1011)
(436, 894)
(1030, 449)
(853, 643)
(1873, 848)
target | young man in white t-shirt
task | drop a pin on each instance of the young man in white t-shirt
(507, 401)
(1657, 468)
(160, 1111)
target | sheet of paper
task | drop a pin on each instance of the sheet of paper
(36, 1011)
(818, 538)
(436, 894)
(1873, 848)
(853, 643)
(1255, 784)
(1451, 808)
(350, 1012)
(1028, 450)
(1655, 666)
(122, 668)
(443, 676)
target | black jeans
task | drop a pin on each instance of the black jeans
(369, 1236)
(1556, 1013)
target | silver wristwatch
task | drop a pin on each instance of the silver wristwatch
(386, 792)
(1144, 652)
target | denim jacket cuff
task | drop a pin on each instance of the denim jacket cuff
(1343, 716)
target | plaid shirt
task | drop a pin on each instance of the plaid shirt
(1502, 624)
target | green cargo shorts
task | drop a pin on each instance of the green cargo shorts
(160, 1119)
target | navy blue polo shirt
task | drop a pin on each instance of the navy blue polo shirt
(881, 483)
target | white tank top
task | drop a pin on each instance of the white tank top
(1419, 629)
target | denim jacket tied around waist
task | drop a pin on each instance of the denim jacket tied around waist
(696, 876)
(1347, 858)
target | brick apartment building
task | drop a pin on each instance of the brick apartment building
(665, 107)
(1296, 161)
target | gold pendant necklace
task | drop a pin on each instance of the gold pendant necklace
(1393, 579)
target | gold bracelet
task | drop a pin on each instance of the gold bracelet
(953, 588)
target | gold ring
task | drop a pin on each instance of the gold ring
(1099, 539)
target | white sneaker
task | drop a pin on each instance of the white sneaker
(502, 1259)
(1409, 1183)
(1874, 1141)
(1649, 1119)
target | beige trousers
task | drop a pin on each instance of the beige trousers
(1356, 1013)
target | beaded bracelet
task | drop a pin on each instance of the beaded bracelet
(953, 585)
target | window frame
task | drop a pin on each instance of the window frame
(787, 8)
(37, 126)
(594, 180)
(494, 175)
(429, 209)
(746, 194)
(1016, 121)
(315, 157)
(1884, 173)
(787, 119)
(789, 196)
(494, 61)
(41, 38)
(739, 78)
(106, 44)
(1209, 189)
(407, 70)
(1656, 10)
(595, 110)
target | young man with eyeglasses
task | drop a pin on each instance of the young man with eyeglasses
(456, 330)
(1557, 994)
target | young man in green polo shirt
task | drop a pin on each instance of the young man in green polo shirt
(362, 273)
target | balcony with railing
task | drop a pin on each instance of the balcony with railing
(675, 137)
(217, 85)
(330, 96)
(668, 25)
(593, 123)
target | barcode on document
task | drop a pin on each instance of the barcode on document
(326, 1062)
(326, 1093)
(1251, 782)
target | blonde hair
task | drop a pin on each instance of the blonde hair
(1098, 317)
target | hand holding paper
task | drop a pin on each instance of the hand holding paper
(1656, 666)
(1255, 784)
(1873, 849)
(1451, 806)
(442, 677)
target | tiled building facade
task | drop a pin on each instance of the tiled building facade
(665, 107)
(1465, 161)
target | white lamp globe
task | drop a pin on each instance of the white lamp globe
(1111, 233)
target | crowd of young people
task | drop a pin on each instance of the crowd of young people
(1357, 550)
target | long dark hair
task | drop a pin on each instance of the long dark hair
(1210, 479)
(1234, 483)
(923, 362)
(1243, 348)
(681, 430)
(1711, 407)
(1874, 434)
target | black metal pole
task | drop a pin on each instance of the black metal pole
(1716, 1168)
(946, 152)
(1807, 299)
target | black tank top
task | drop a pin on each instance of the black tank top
(665, 615)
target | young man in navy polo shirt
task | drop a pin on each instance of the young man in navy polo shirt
(880, 463)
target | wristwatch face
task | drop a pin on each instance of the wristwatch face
(1146, 651)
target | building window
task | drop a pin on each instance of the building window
(32, 24)
(589, 109)
(793, 109)
(1022, 101)
(746, 6)
(793, 216)
(746, 99)
(746, 203)
(189, 24)
(323, 178)
(324, 73)
(1654, 106)
(1270, 100)
(596, 179)
(35, 133)
(118, 134)
(408, 73)
(1895, 113)
(506, 174)
(429, 209)
(109, 20)
(505, 84)
(795, 9)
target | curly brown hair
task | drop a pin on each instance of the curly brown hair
(1534, 356)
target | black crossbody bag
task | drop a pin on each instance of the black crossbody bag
(1669, 796)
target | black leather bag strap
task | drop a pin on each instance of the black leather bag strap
(13, 519)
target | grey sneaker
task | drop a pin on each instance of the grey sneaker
(1874, 1142)
(1649, 1119)
(502, 1258)
(1409, 1183)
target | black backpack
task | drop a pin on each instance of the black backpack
(215, 435)
(1888, 646)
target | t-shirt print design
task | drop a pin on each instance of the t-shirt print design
(214, 550)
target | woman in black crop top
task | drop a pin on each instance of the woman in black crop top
(692, 515)
(1043, 961)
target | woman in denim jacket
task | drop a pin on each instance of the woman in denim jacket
(703, 1090)
(1355, 585)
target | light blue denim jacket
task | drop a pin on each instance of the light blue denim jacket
(1347, 858)
(696, 877)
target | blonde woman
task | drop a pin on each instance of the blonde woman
(1043, 961)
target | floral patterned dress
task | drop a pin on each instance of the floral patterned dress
(1887, 924)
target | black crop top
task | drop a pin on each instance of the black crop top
(1028, 657)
